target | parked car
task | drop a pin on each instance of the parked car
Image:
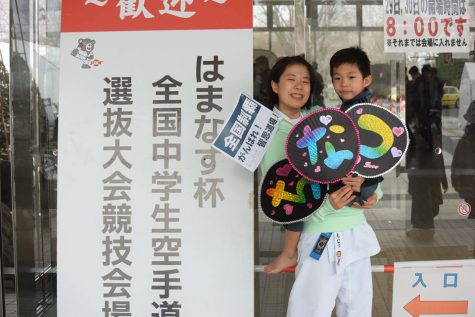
(450, 98)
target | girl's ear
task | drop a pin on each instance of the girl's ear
(275, 86)
(367, 81)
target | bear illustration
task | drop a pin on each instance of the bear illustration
(84, 51)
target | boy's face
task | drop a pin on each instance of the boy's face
(348, 81)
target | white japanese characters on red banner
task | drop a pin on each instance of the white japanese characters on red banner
(427, 288)
(426, 25)
(144, 200)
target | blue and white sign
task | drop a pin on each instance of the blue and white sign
(431, 288)
(247, 132)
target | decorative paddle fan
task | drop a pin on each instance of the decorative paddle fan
(323, 147)
(286, 197)
(383, 136)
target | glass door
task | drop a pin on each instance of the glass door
(34, 107)
(425, 211)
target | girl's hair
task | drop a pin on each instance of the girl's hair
(351, 55)
(277, 71)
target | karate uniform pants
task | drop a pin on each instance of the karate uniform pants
(320, 287)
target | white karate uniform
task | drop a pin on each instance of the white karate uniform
(321, 284)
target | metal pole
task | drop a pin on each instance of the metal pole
(388, 268)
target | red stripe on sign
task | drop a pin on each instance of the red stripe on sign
(388, 268)
(138, 15)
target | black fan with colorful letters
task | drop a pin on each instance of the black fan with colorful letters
(286, 196)
(323, 147)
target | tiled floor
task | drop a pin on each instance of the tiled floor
(10, 304)
(453, 239)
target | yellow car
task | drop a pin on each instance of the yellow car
(450, 98)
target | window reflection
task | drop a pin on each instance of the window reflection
(260, 15)
(424, 212)
(34, 104)
(280, 43)
(373, 15)
(283, 15)
(261, 40)
(336, 15)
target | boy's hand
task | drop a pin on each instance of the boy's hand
(369, 203)
(353, 181)
(341, 197)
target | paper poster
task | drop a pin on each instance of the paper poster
(145, 202)
(247, 133)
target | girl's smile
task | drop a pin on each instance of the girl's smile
(293, 89)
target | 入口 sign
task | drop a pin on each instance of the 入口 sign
(432, 288)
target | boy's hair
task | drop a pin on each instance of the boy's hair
(277, 71)
(351, 55)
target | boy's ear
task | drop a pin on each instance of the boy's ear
(367, 81)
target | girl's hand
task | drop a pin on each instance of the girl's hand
(355, 182)
(369, 203)
(341, 197)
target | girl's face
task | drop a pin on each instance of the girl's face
(348, 81)
(293, 89)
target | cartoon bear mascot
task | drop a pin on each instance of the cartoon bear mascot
(84, 51)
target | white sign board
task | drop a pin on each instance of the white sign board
(434, 288)
(152, 220)
(426, 26)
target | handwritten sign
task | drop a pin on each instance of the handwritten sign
(247, 132)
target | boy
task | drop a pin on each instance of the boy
(334, 267)
(351, 77)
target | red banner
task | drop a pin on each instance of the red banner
(133, 15)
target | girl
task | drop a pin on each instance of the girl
(290, 84)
